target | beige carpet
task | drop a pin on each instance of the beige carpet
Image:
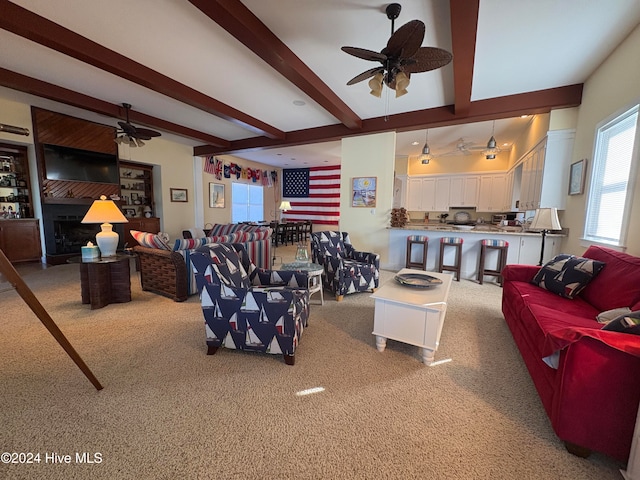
(169, 411)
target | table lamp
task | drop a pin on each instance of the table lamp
(284, 206)
(105, 212)
(545, 219)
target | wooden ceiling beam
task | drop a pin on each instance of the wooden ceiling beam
(245, 27)
(542, 101)
(33, 86)
(464, 29)
(31, 26)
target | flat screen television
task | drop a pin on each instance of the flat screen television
(65, 163)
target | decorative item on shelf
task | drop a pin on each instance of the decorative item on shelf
(545, 219)
(105, 212)
(90, 252)
(147, 211)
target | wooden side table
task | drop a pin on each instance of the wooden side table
(104, 280)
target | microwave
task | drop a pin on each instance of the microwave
(497, 219)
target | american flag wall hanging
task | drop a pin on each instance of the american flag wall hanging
(314, 194)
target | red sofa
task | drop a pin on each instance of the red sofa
(592, 396)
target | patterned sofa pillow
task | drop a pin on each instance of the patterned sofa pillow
(151, 240)
(627, 323)
(567, 275)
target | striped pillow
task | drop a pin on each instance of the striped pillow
(151, 240)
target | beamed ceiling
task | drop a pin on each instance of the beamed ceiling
(223, 75)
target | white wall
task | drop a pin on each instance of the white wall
(611, 89)
(368, 156)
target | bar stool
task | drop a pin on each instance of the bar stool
(491, 244)
(419, 240)
(451, 242)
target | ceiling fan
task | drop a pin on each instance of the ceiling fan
(462, 147)
(402, 56)
(134, 136)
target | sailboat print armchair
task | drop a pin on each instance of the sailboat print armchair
(247, 308)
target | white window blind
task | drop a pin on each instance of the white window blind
(608, 206)
(247, 203)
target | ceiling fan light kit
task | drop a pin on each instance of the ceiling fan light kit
(402, 56)
(133, 136)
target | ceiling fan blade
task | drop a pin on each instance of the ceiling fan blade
(406, 40)
(426, 59)
(365, 54)
(127, 128)
(364, 75)
(145, 132)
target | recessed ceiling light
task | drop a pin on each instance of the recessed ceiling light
(299, 103)
(524, 116)
(415, 143)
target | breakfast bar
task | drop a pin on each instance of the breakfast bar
(524, 246)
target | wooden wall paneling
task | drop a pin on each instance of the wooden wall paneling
(59, 129)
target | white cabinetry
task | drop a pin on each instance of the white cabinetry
(463, 191)
(491, 197)
(422, 194)
(441, 201)
(529, 253)
(545, 172)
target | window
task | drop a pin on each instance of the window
(610, 193)
(247, 203)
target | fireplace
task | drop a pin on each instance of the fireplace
(65, 234)
(70, 234)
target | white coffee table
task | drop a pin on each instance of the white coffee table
(410, 314)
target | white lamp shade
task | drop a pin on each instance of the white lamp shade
(285, 205)
(545, 219)
(105, 212)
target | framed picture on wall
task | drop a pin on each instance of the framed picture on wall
(179, 194)
(363, 192)
(576, 177)
(216, 195)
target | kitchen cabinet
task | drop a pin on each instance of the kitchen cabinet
(149, 225)
(20, 239)
(545, 172)
(529, 249)
(463, 191)
(422, 194)
(442, 189)
(491, 195)
(136, 189)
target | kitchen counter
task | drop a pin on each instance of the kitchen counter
(478, 228)
(524, 246)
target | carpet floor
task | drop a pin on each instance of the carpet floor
(169, 411)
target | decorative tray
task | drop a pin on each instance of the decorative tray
(417, 280)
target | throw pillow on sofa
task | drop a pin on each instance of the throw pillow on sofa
(151, 240)
(567, 275)
(606, 317)
(628, 323)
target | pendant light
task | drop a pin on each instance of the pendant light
(492, 147)
(426, 152)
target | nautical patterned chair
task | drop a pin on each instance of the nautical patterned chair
(247, 308)
(346, 270)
